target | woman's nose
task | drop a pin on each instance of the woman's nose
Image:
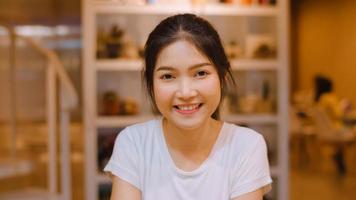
(186, 89)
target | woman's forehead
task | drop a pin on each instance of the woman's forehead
(181, 53)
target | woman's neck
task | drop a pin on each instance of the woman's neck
(192, 141)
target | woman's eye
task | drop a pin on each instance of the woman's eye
(201, 74)
(167, 76)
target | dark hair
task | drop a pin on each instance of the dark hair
(198, 32)
(322, 85)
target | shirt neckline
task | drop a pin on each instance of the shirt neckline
(167, 156)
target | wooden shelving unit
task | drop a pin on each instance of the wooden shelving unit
(95, 10)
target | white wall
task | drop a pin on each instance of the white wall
(325, 42)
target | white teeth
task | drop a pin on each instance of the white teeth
(188, 107)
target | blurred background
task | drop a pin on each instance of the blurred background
(70, 81)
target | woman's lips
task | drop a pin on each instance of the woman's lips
(187, 109)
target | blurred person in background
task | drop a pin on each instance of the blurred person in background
(335, 108)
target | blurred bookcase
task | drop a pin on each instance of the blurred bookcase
(255, 37)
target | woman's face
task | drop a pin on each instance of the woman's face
(186, 85)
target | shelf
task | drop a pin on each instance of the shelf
(29, 194)
(238, 10)
(119, 65)
(254, 64)
(137, 64)
(121, 121)
(107, 7)
(10, 169)
(251, 118)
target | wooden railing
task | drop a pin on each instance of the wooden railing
(57, 83)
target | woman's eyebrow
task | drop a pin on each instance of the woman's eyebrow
(160, 68)
(199, 65)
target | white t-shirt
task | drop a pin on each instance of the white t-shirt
(237, 164)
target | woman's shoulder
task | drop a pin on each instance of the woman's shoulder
(242, 132)
(243, 137)
(241, 143)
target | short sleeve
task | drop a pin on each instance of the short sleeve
(252, 172)
(124, 160)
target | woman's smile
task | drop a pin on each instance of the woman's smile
(187, 109)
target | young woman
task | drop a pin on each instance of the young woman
(188, 153)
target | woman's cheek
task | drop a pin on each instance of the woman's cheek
(163, 93)
(211, 88)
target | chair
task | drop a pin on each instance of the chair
(328, 133)
(302, 136)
